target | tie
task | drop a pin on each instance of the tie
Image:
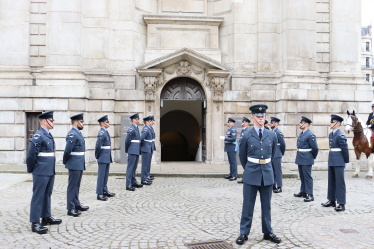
(260, 134)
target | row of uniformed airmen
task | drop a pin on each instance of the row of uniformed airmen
(260, 153)
(41, 163)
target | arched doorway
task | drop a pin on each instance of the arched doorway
(182, 123)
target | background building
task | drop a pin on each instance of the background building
(191, 63)
(367, 54)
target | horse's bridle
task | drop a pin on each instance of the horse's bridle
(356, 130)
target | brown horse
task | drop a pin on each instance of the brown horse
(361, 141)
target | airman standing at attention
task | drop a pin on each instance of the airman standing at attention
(74, 161)
(338, 160)
(277, 162)
(307, 151)
(41, 162)
(151, 177)
(231, 147)
(260, 145)
(132, 148)
(245, 123)
(103, 155)
(146, 147)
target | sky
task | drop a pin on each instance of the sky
(367, 12)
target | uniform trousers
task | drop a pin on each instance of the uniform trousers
(74, 184)
(102, 178)
(249, 200)
(40, 206)
(146, 165)
(305, 172)
(132, 164)
(233, 165)
(278, 175)
(336, 184)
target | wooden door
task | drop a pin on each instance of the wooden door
(33, 126)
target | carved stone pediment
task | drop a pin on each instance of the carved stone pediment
(184, 63)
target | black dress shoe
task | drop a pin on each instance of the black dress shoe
(50, 221)
(272, 237)
(108, 194)
(151, 178)
(240, 181)
(232, 179)
(137, 185)
(241, 239)
(74, 212)
(300, 195)
(278, 190)
(129, 188)
(102, 197)
(340, 207)
(146, 183)
(274, 187)
(309, 198)
(228, 177)
(329, 204)
(38, 228)
(82, 208)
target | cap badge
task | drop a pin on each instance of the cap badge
(260, 108)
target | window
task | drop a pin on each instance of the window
(367, 62)
(368, 46)
(368, 77)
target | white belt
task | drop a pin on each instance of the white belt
(46, 154)
(226, 142)
(335, 149)
(105, 147)
(279, 144)
(77, 153)
(304, 150)
(135, 141)
(148, 140)
(259, 161)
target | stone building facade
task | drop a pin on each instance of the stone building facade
(197, 61)
(367, 54)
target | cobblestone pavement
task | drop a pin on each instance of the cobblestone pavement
(175, 211)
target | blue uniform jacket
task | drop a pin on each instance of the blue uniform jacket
(74, 143)
(146, 140)
(132, 148)
(103, 139)
(42, 141)
(281, 148)
(153, 138)
(254, 147)
(306, 140)
(230, 139)
(338, 158)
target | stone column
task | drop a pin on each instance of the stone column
(15, 43)
(64, 44)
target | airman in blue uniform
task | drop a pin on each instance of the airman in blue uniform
(231, 147)
(103, 155)
(338, 160)
(41, 162)
(258, 147)
(245, 123)
(307, 151)
(146, 150)
(277, 162)
(74, 161)
(132, 148)
(151, 177)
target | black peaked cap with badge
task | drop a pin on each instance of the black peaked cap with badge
(77, 117)
(46, 115)
(103, 119)
(306, 120)
(274, 119)
(153, 118)
(231, 120)
(258, 110)
(148, 118)
(246, 120)
(336, 118)
(136, 115)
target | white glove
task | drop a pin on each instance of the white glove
(222, 137)
(346, 166)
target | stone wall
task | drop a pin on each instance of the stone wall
(298, 57)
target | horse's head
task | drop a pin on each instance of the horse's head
(351, 121)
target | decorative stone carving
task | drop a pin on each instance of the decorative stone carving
(218, 88)
(183, 68)
(150, 87)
